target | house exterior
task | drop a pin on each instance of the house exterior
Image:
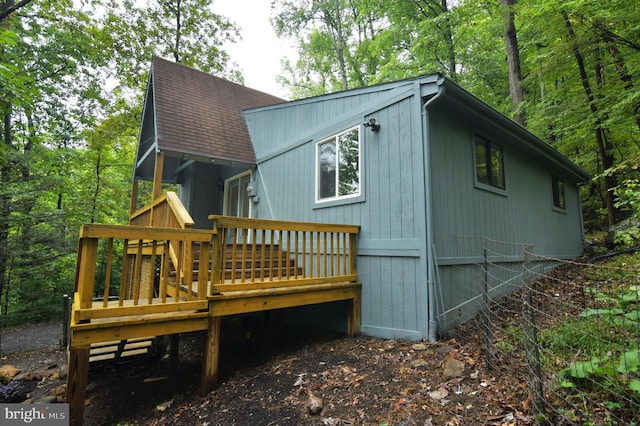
(417, 164)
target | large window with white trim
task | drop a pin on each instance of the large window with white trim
(338, 166)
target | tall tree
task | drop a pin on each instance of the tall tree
(333, 21)
(605, 148)
(186, 31)
(52, 53)
(513, 61)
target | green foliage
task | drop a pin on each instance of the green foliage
(598, 333)
(615, 375)
(350, 44)
(71, 82)
(186, 31)
(595, 354)
(628, 199)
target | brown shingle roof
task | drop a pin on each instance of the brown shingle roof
(200, 114)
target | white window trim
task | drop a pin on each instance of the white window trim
(335, 200)
(227, 183)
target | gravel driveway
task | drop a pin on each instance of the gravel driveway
(30, 337)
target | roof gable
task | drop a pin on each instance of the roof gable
(201, 115)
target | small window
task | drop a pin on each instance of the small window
(338, 166)
(489, 163)
(557, 186)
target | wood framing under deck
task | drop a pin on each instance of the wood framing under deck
(233, 303)
(177, 280)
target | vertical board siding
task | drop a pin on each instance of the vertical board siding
(390, 180)
(524, 215)
(392, 213)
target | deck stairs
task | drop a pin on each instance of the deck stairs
(119, 350)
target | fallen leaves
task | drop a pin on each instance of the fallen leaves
(439, 394)
(164, 405)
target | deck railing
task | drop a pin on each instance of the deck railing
(253, 254)
(127, 267)
(166, 211)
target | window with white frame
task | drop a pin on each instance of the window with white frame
(338, 166)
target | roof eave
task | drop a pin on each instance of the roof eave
(547, 151)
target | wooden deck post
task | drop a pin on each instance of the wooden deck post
(211, 360)
(157, 176)
(77, 383)
(134, 197)
(174, 352)
(353, 317)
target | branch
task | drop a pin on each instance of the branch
(8, 10)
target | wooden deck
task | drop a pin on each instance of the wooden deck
(157, 281)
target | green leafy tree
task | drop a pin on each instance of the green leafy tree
(50, 89)
(578, 88)
(186, 31)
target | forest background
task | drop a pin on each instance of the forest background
(73, 75)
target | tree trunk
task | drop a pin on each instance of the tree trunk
(621, 68)
(605, 149)
(96, 191)
(176, 52)
(340, 45)
(448, 39)
(513, 62)
(5, 178)
(8, 7)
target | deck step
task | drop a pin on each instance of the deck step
(105, 351)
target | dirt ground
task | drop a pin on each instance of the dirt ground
(275, 374)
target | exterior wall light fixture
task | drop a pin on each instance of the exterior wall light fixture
(375, 126)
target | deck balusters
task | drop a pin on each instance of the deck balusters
(265, 253)
(253, 254)
(304, 253)
(234, 251)
(243, 255)
(152, 272)
(271, 253)
(107, 277)
(125, 272)
(262, 253)
(164, 275)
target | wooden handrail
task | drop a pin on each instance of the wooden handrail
(142, 289)
(239, 254)
(169, 212)
(252, 254)
(166, 211)
(277, 225)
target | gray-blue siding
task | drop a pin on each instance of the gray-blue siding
(391, 242)
(462, 213)
(392, 250)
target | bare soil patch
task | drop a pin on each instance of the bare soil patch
(279, 374)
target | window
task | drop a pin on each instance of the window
(338, 166)
(489, 163)
(557, 186)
